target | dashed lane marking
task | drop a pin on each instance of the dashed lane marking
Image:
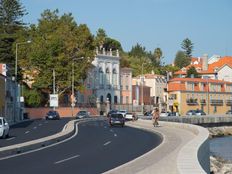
(67, 159)
(107, 143)
(8, 139)
(27, 132)
(115, 135)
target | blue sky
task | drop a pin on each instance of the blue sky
(151, 23)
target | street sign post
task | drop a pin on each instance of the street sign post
(54, 100)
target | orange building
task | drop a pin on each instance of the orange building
(211, 96)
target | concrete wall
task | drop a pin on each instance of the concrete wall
(35, 113)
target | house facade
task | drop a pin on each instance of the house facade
(126, 85)
(158, 85)
(211, 96)
(215, 68)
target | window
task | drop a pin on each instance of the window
(115, 76)
(115, 99)
(127, 87)
(107, 76)
(101, 76)
(101, 100)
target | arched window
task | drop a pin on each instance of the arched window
(107, 76)
(114, 76)
(100, 76)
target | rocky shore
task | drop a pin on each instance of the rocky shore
(217, 164)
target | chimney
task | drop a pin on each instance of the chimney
(205, 62)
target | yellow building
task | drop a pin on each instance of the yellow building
(211, 96)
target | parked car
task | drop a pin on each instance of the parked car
(116, 119)
(191, 112)
(111, 112)
(82, 114)
(4, 128)
(164, 114)
(200, 112)
(123, 112)
(52, 115)
(229, 112)
(131, 116)
(148, 113)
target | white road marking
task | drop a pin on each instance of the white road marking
(107, 143)
(36, 150)
(111, 130)
(8, 139)
(67, 159)
(40, 124)
(27, 132)
(115, 135)
(35, 127)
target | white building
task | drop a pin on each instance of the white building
(105, 76)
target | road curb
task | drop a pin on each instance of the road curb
(69, 130)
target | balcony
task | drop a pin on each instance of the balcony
(216, 102)
(229, 102)
(191, 101)
(203, 101)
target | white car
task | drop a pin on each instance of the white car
(4, 128)
(129, 116)
(123, 112)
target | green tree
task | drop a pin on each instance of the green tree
(57, 42)
(11, 13)
(100, 38)
(112, 44)
(192, 72)
(181, 60)
(187, 46)
(157, 56)
(33, 98)
(138, 51)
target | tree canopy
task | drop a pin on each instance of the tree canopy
(181, 60)
(192, 73)
(11, 13)
(57, 42)
(187, 46)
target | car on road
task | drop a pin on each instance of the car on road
(123, 112)
(82, 114)
(164, 114)
(52, 115)
(4, 128)
(191, 112)
(111, 112)
(116, 119)
(131, 116)
(200, 112)
(148, 113)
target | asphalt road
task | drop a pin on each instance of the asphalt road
(33, 129)
(95, 149)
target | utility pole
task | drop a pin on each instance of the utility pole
(54, 85)
(142, 89)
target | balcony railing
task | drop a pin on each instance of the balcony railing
(216, 102)
(203, 101)
(229, 102)
(191, 101)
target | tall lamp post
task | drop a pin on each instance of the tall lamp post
(142, 88)
(72, 96)
(16, 78)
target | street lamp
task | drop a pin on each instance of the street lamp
(16, 56)
(72, 96)
(142, 88)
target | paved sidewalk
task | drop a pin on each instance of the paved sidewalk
(162, 159)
